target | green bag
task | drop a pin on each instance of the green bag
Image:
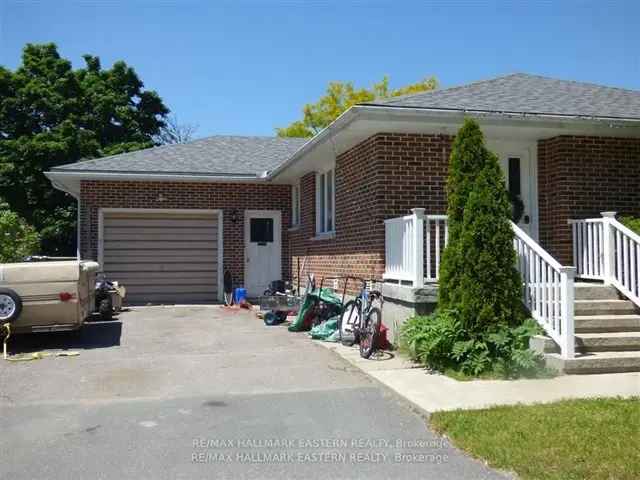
(298, 323)
(326, 295)
(325, 329)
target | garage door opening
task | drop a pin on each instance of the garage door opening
(163, 257)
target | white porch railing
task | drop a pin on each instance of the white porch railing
(548, 287)
(604, 249)
(404, 238)
(437, 228)
(548, 290)
(408, 258)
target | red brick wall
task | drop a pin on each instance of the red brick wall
(579, 177)
(179, 195)
(382, 177)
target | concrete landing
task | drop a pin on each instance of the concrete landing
(432, 392)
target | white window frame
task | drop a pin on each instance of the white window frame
(295, 205)
(323, 219)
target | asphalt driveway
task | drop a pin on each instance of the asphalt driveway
(204, 392)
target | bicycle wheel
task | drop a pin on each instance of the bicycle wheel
(369, 332)
(349, 321)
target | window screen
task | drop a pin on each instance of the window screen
(323, 204)
(329, 200)
(262, 230)
(295, 205)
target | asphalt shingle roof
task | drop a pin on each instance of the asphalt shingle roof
(217, 155)
(532, 94)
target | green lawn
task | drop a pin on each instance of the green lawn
(569, 440)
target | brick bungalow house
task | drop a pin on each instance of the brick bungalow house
(169, 220)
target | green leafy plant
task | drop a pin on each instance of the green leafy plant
(440, 342)
(431, 339)
(17, 238)
(631, 222)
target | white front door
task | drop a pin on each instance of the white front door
(263, 250)
(519, 173)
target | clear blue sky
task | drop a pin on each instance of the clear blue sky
(245, 67)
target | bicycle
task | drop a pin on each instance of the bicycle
(360, 321)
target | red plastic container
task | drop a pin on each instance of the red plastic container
(383, 342)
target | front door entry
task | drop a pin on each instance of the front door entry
(519, 174)
(263, 250)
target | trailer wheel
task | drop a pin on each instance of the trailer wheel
(10, 305)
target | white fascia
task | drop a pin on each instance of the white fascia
(448, 116)
(442, 113)
(338, 124)
(70, 181)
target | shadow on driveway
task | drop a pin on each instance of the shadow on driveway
(93, 334)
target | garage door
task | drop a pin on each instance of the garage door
(162, 257)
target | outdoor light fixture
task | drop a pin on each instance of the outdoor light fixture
(234, 216)
(161, 198)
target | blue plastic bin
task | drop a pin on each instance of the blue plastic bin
(239, 295)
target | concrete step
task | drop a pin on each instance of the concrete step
(591, 342)
(595, 291)
(608, 341)
(596, 362)
(607, 323)
(604, 307)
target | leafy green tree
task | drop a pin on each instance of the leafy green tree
(478, 276)
(479, 326)
(51, 114)
(490, 291)
(17, 238)
(468, 156)
(339, 97)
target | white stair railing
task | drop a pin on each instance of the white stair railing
(548, 287)
(604, 249)
(588, 247)
(548, 290)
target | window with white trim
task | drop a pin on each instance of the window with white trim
(325, 202)
(295, 205)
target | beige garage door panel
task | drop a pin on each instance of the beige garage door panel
(199, 277)
(162, 267)
(156, 220)
(162, 257)
(167, 289)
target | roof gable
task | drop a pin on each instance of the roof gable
(531, 94)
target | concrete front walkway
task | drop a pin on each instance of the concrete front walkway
(432, 392)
